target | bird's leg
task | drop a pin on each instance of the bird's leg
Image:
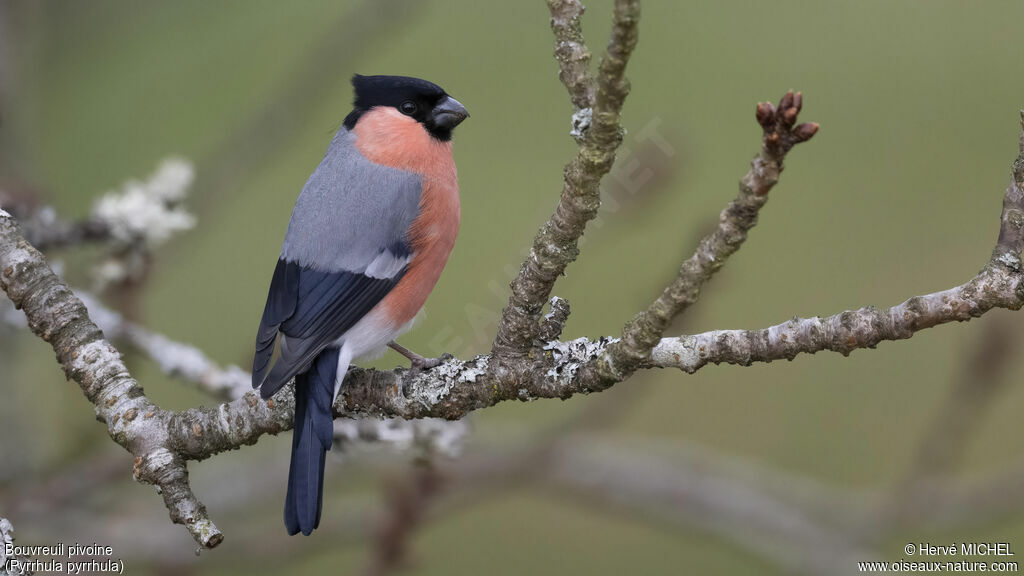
(418, 362)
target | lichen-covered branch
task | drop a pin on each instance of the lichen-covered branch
(189, 364)
(643, 333)
(995, 286)
(57, 316)
(556, 243)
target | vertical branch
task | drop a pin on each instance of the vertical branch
(1011, 229)
(556, 243)
(571, 51)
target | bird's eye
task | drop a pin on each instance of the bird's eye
(408, 107)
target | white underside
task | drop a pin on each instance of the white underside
(367, 339)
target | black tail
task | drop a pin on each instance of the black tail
(311, 439)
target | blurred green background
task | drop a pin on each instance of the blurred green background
(897, 195)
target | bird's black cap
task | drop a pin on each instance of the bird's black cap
(424, 101)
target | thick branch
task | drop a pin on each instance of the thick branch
(188, 364)
(57, 316)
(556, 243)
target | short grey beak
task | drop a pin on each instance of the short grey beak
(449, 113)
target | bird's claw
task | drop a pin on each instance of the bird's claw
(422, 363)
(418, 364)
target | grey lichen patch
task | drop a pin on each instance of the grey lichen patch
(581, 123)
(431, 393)
(1010, 260)
(457, 371)
(474, 370)
(682, 352)
(554, 321)
(555, 305)
(569, 357)
(429, 390)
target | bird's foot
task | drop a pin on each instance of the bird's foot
(421, 363)
(418, 363)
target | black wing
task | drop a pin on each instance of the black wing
(312, 309)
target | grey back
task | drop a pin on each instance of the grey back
(350, 211)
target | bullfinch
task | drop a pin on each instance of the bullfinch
(366, 243)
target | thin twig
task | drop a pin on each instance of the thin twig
(571, 51)
(642, 333)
